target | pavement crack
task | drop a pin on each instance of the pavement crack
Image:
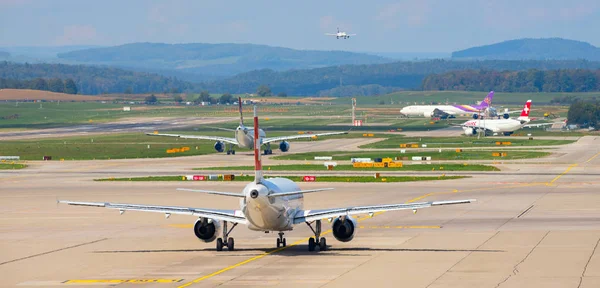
(515, 268)
(526, 210)
(587, 263)
(459, 261)
(52, 251)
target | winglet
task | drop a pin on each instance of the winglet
(258, 176)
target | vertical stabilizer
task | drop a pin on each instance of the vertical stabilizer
(487, 101)
(241, 114)
(258, 176)
(525, 111)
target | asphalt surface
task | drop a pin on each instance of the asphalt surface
(533, 225)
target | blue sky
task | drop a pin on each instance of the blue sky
(382, 26)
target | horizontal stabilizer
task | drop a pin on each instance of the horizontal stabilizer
(299, 192)
(230, 194)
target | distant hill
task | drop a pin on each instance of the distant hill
(210, 60)
(398, 75)
(4, 54)
(533, 49)
(94, 80)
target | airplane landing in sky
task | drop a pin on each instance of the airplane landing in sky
(244, 137)
(339, 34)
(269, 205)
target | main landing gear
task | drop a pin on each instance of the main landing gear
(281, 240)
(268, 151)
(230, 149)
(314, 242)
(226, 241)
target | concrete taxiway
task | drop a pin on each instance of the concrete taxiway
(538, 226)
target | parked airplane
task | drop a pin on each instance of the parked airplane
(269, 205)
(244, 138)
(506, 126)
(339, 34)
(445, 111)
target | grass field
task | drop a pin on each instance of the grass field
(10, 166)
(360, 179)
(315, 167)
(435, 155)
(113, 146)
(460, 142)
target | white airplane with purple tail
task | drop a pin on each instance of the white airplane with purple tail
(445, 111)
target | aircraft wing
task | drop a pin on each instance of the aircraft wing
(300, 136)
(351, 35)
(312, 215)
(329, 34)
(199, 137)
(234, 216)
(538, 125)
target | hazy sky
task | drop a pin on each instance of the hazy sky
(382, 26)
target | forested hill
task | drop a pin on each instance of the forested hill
(398, 75)
(94, 80)
(533, 49)
(215, 59)
(569, 80)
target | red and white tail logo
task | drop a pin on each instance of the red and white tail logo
(257, 161)
(526, 109)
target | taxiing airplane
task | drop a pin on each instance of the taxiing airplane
(506, 126)
(339, 34)
(244, 137)
(445, 111)
(269, 205)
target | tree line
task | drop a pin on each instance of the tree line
(532, 80)
(584, 113)
(67, 86)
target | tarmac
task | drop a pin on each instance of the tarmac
(533, 225)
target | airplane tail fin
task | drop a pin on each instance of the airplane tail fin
(258, 174)
(487, 101)
(525, 111)
(241, 114)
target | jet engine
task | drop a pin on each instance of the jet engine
(475, 116)
(344, 229)
(207, 229)
(470, 131)
(284, 146)
(506, 116)
(219, 146)
(508, 133)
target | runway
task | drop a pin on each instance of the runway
(533, 225)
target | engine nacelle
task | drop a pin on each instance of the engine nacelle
(284, 146)
(470, 131)
(506, 116)
(220, 146)
(207, 229)
(508, 133)
(475, 116)
(344, 230)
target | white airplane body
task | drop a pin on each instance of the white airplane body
(505, 126)
(430, 110)
(339, 34)
(272, 205)
(244, 137)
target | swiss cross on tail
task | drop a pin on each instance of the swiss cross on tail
(258, 177)
(526, 109)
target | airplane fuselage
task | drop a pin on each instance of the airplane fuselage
(427, 110)
(266, 213)
(245, 136)
(495, 125)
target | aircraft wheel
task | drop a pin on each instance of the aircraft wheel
(278, 243)
(228, 152)
(230, 244)
(311, 244)
(283, 243)
(233, 152)
(323, 244)
(219, 244)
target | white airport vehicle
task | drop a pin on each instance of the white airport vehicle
(244, 137)
(505, 126)
(339, 34)
(269, 205)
